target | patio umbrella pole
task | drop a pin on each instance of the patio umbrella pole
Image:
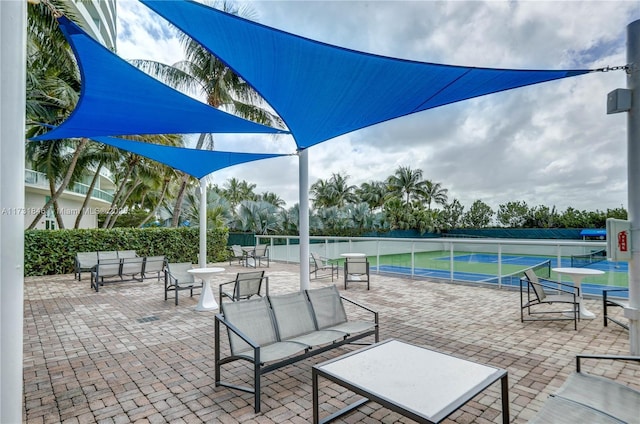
(13, 36)
(633, 186)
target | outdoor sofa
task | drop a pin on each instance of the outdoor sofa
(120, 264)
(589, 398)
(271, 332)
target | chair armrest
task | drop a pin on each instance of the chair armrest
(615, 290)
(221, 292)
(221, 320)
(612, 357)
(375, 313)
(558, 282)
(574, 290)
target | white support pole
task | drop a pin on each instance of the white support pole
(13, 30)
(202, 257)
(303, 169)
(633, 187)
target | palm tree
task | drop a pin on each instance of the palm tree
(373, 193)
(272, 198)
(203, 74)
(341, 192)
(406, 183)
(237, 191)
(98, 158)
(53, 84)
(435, 193)
(320, 192)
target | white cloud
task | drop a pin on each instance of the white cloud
(549, 144)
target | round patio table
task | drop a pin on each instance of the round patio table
(207, 302)
(353, 255)
(577, 274)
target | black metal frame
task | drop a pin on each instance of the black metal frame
(321, 267)
(257, 259)
(350, 280)
(98, 280)
(176, 287)
(241, 259)
(556, 286)
(607, 302)
(260, 368)
(234, 296)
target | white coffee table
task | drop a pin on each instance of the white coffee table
(577, 274)
(421, 384)
(207, 301)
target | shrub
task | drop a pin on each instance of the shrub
(53, 252)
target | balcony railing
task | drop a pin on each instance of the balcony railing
(40, 179)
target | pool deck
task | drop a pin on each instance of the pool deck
(125, 355)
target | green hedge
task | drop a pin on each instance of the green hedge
(53, 252)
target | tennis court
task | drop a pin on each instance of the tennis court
(485, 268)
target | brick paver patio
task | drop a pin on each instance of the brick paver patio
(125, 355)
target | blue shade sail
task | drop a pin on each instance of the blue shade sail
(195, 162)
(119, 99)
(323, 91)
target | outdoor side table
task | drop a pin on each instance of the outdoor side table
(577, 274)
(207, 302)
(421, 384)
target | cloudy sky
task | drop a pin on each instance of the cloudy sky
(549, 144)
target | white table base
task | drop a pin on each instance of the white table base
(207, 301)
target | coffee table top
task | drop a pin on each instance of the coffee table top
(428, 383)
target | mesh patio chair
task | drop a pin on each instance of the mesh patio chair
(331, 315)
(154, 264)
(608, 302)
(237, 254)
(257, 255)
(127, 254)
(320, 263)
(540, 292)
(356, 270)
(245, 286)
(132, 266)
(84, 262)
(107, 267)
(176, 278)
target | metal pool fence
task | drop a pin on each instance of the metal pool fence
(499, 262)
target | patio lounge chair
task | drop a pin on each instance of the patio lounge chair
(236, 253)
(319, 264)
(176, 278)
(154, 264)
(608, 302)
(107, 267)
(257, 255)
(84, 262)
(356, 270)
(245, 286)
(592, 398)
(538, 293)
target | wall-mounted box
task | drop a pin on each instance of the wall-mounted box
(618, 240)
(619, 100)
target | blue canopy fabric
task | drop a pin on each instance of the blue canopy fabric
(119, 99)
(322, 91)
(195, 162)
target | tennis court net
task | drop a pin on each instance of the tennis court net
(588, 259)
